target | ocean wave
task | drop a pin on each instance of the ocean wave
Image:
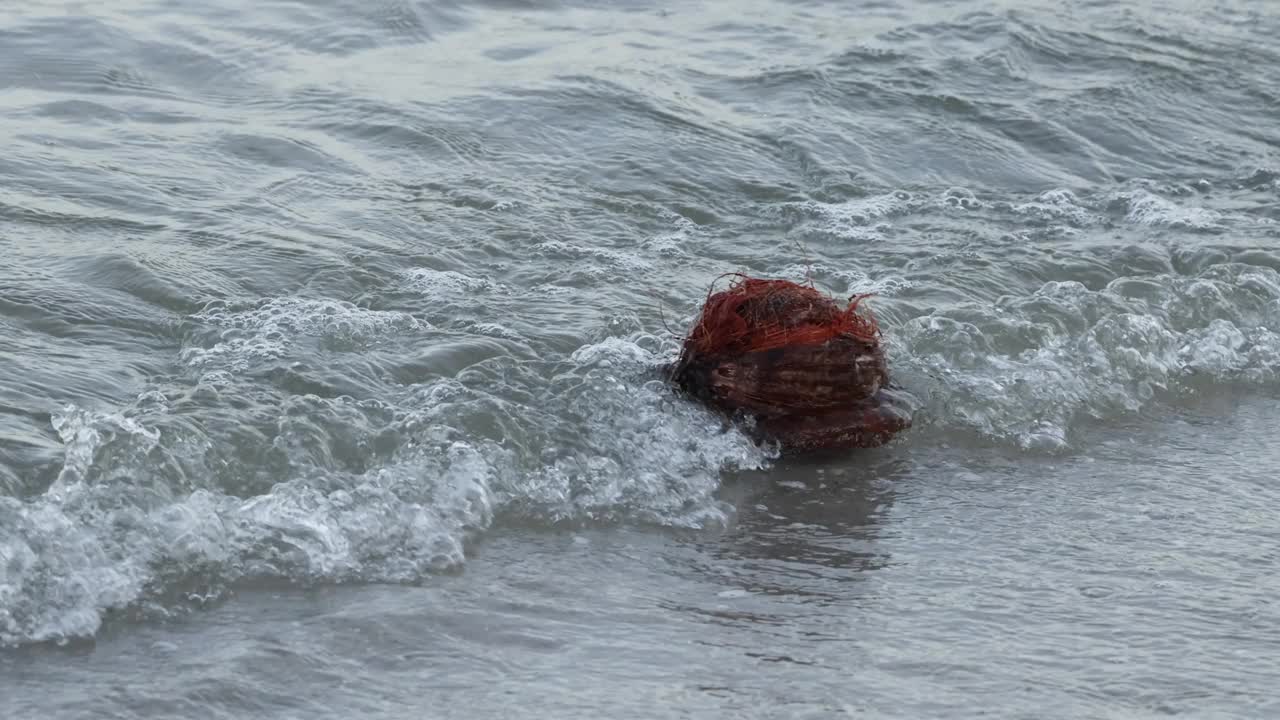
(237, 336)
(119, 532)
(447, 284)
(1143, 207)
(1031, 368)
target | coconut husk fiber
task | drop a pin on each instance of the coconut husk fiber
(807, 372)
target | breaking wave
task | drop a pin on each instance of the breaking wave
(152, 512)
(161, 505)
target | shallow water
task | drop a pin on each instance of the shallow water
(327, 385)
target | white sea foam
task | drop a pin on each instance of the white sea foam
(1058, 205)
(844, 282)
(1033, 367)
(855, 219)
(447, 284)
(93, 544)
(1144, 207)
(267, 330)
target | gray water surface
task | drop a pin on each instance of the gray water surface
(329, 334)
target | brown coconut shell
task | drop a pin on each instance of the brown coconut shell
(807, 371)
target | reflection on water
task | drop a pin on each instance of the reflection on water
(804, 536)
(815, 511)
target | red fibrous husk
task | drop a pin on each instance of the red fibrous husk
(809, 372)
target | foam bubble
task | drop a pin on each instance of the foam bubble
(596, 440)
(496, 330)
(1031, 368)
(671, 244)
(85, 549)
(960, 197)
(83, 433)
(852, 219)
(853, 281)
(447, 284)
(610, 352)
(1058, 205)
(638, 452)
(267, 329)
(1146, 208)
